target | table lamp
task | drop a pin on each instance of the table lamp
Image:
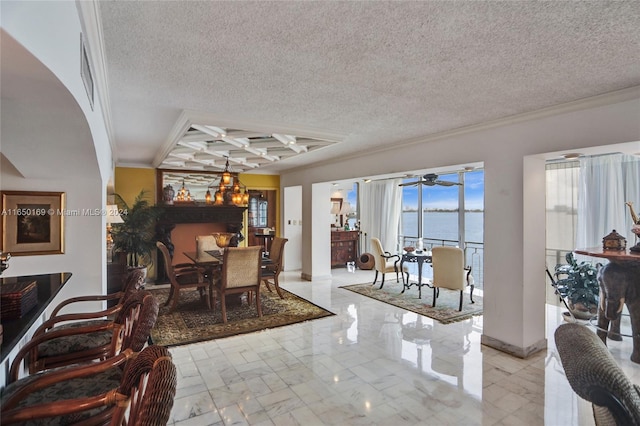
(113, 216)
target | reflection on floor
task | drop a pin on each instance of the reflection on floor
(373, 363)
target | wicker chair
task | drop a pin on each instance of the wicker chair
(133, 282)
(271, 271)
(594, 375)
(128, 389)
(69, 344)
(183, 278)
(449, 272)
(240, 274)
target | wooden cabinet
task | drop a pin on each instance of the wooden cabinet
(344, 247)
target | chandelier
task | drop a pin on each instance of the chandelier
(230, 191)
(183, 193)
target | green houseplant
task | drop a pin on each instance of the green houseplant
(135, 237)
(577, 283)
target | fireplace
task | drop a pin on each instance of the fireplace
(179, 225)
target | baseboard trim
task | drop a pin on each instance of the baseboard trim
(512, 349)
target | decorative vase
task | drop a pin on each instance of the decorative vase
(223, 239)
(167, 194)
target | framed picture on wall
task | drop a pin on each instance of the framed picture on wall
(32, 222)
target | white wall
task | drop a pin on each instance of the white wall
(292, 200)
(74, 154)
(512, 152)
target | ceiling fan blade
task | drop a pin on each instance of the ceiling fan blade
(410, 183)
(446, 183)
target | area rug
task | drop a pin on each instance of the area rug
(192, 322)
(445, 312)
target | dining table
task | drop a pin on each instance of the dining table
(419, 257)
(211, 261)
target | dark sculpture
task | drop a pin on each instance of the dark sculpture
(619, 285)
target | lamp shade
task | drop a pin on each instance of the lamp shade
(346, 208)
(113, 214)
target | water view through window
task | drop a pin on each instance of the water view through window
(440, 207)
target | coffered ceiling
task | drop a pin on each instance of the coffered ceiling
(208, 147)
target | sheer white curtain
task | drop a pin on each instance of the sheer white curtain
(381, 202)
(607, 182)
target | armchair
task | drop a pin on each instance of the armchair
(386, 262)
(449, 272)
(128, 389)
(133, 282)
(75, 343)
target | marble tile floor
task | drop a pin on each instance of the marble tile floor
(373, 364)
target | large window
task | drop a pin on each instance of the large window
(439, 209)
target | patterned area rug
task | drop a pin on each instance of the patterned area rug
(446, 310)
(192, 322)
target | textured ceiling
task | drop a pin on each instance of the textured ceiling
(363, 74)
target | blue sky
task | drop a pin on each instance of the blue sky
(446, 197)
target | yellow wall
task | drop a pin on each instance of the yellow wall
(128, 183)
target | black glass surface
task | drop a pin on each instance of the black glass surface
(48, 286)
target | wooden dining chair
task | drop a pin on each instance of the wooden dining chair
(271, 271)
(240, 274)
(132, 388)
(184, 278)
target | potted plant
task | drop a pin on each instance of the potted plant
(577, 284)
(135, 237)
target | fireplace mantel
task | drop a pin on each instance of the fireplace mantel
(229, 216)
(202, 214)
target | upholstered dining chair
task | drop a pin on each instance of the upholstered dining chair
(386, 262)
(206, 243)
(129, 389)
(449, 272)
(240, 274)
(595, 376)
(271, 271)
(75, 343)
(184, 278)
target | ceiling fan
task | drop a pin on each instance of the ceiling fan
(430, 179)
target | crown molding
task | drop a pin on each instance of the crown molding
(630, 93)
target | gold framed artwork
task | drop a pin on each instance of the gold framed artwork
(32, 222)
